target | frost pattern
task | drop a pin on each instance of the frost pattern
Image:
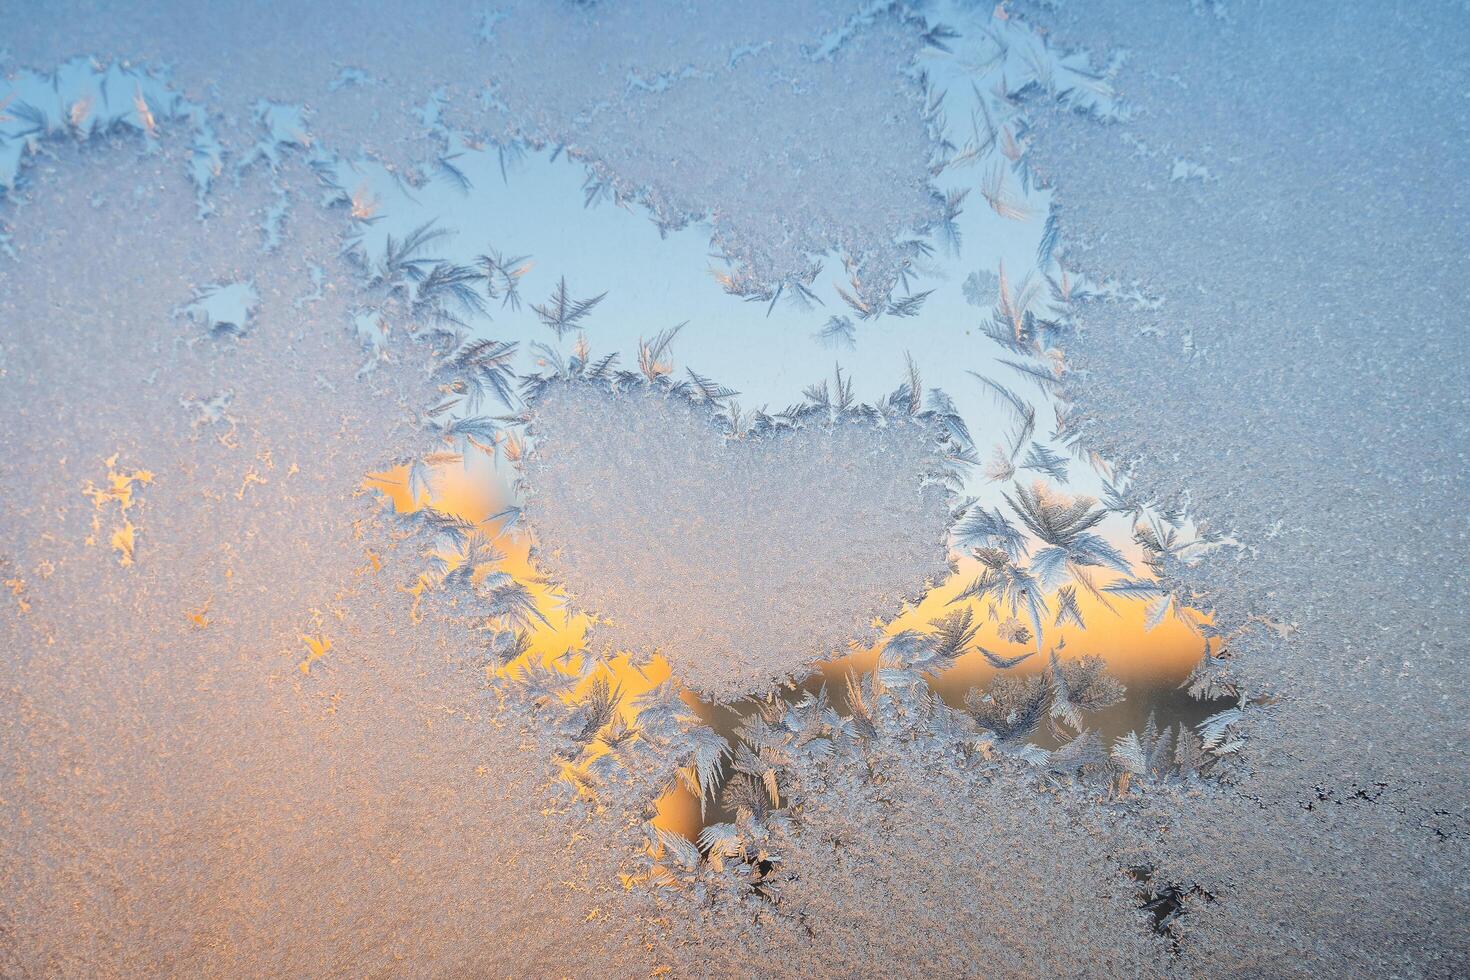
(352, 719)
(84, 99)
(742, 560)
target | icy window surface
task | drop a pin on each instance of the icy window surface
(1305, 379)
(813, 489)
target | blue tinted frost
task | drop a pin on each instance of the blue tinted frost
(84, 98)
(294, 700)
(285, 127)
(761, 157)
(1305, 380)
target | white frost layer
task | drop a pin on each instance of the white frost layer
(180, 796)
(742, 561)
(705, 108)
